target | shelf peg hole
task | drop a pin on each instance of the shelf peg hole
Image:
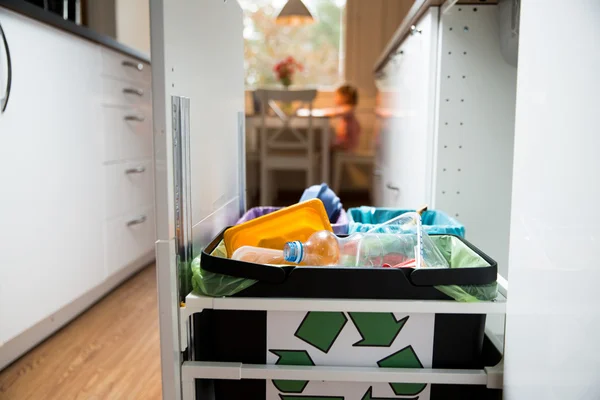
(466, 29)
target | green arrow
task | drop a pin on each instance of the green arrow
(284, 397)
(291, 357)
(404, 358)
(369, 396)
(376, 329)
(321, 329)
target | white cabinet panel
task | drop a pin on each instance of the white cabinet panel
(129, 185)
(128, 238)
(408, 144)
(553, 318)
(50, 174)
(127, 133)
(475, 128)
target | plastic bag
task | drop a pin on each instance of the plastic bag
(460, 256)
(363, 219)
(217, 285)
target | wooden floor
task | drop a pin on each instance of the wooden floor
(109, 352)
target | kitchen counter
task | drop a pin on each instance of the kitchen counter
(46, 17)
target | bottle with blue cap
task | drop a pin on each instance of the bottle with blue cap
(358, 250)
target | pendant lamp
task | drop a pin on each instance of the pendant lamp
(294, 13)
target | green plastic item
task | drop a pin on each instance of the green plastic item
(217, 285)
(454, 251)
(459, 255)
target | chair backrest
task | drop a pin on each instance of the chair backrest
(290, 132)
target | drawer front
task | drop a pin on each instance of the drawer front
(120, 93)
(129, 186)
(119, 66)
(128, 238)
(127, 133)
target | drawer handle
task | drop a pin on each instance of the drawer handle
(138, 118)
(136, 170)
(134, 65)
(136, 221)
(394, 188)
(4, 100)
(138, 92)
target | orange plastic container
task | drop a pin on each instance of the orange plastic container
(274, 230)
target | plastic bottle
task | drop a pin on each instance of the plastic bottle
(361, 250)
(259, 255)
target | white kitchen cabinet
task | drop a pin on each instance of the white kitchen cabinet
(449, 144)
(77, 215)
(51, 167)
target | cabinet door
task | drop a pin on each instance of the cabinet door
(411, 140)
(50, 173)
(197, 53)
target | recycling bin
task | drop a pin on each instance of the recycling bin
(382, 339)
(363, 219)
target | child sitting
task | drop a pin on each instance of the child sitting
(347, 133)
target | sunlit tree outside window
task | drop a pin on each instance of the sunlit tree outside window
(318, 46)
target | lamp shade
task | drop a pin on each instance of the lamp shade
(294, 13)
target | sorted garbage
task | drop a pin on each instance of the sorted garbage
(274, 230)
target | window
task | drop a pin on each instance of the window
(317, 46)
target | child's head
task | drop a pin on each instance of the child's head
(346, 95)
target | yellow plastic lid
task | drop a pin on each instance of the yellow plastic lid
(274, 230)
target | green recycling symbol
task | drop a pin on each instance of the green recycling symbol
(321, 329)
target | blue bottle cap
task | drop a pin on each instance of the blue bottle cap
(293, 252)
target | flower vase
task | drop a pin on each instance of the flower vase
(286, 82)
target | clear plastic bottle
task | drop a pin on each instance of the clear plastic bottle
(360, 249)
(259, 255)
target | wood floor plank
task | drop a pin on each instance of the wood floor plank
(109, 352)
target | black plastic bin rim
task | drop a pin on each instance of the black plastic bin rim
(417, 276)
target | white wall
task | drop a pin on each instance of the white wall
(552, 346)
(133, 23)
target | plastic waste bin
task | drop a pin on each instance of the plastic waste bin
(401, 340)
(363, 219)
(340, 226)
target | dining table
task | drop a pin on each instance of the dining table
(321, 121)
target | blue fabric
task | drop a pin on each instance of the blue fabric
(363, 219)
(332, 203)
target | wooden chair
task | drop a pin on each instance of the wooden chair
(364, 156)
(287, 142)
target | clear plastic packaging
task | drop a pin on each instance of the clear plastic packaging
(406, 246)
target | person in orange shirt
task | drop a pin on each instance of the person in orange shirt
(347, 132)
